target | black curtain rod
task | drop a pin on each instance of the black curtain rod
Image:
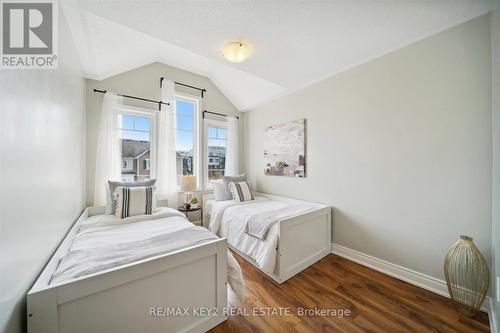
(218, 114)
(138, 98)
(203, 90)
(160, 103)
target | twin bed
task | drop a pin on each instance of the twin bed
(278, 235)
(140, 273)
(113, 275)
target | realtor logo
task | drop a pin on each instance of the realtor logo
(29, 34)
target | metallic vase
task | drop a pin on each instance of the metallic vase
(467, 276)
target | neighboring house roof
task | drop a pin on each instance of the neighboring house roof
(182, 154)
(134, 148)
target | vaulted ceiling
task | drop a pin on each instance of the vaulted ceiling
(294, 43)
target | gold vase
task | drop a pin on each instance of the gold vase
(467, 276)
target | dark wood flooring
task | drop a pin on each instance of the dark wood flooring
(377, 303)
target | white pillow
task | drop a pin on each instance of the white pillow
(219, 190)
(226, 180)
(131, 201)
(112, 185)
(109, 201)
(241, 191)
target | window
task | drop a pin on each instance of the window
(135, 136)
(127, 164)
(201, 155)
(186, 136)
(216, 149)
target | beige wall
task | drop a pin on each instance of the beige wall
(144, 82)
(400, 146)
(495, 55)
(42, 171)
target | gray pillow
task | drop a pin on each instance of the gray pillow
(230, 179)
(111, 202)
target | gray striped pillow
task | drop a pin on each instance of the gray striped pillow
(112, 185)
(131, 201)
(241, 191)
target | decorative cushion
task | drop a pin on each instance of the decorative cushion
(241, 191)
(112, 185)
(219, 190)
(228, 180)
(131, 201)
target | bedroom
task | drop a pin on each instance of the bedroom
(387, 113)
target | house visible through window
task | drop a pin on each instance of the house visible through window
(186, 111)
(135, 135)
(216, 146)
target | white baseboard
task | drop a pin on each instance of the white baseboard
(421, 280)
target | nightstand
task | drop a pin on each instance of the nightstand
(187, 211)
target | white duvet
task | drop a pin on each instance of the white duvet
(104, 242)
(231, 219)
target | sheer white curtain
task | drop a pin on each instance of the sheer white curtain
(232, 165)
(166, 172)
(108, 157)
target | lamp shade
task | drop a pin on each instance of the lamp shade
(188, 183)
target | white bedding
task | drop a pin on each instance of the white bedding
(105, 241)
(209, 204)
(230, 219)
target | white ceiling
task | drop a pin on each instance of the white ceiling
(295, 43)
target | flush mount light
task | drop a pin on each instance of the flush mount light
(236, 52)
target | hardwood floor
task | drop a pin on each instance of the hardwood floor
(377, 303)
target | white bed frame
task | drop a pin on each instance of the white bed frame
(303, 239)
(121, 299)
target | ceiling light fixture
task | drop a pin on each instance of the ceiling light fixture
(236, 52)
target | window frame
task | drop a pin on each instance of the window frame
(210, 123)
(197, 135)
(199, 140)
(128, 166)
(135, 111)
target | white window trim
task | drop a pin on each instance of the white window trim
(197, 135)
(146, 113)
(209, 123)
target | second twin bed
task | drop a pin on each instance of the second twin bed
(280, 236)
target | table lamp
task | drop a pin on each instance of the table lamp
(188, 185)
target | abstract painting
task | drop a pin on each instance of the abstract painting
(284, 149)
